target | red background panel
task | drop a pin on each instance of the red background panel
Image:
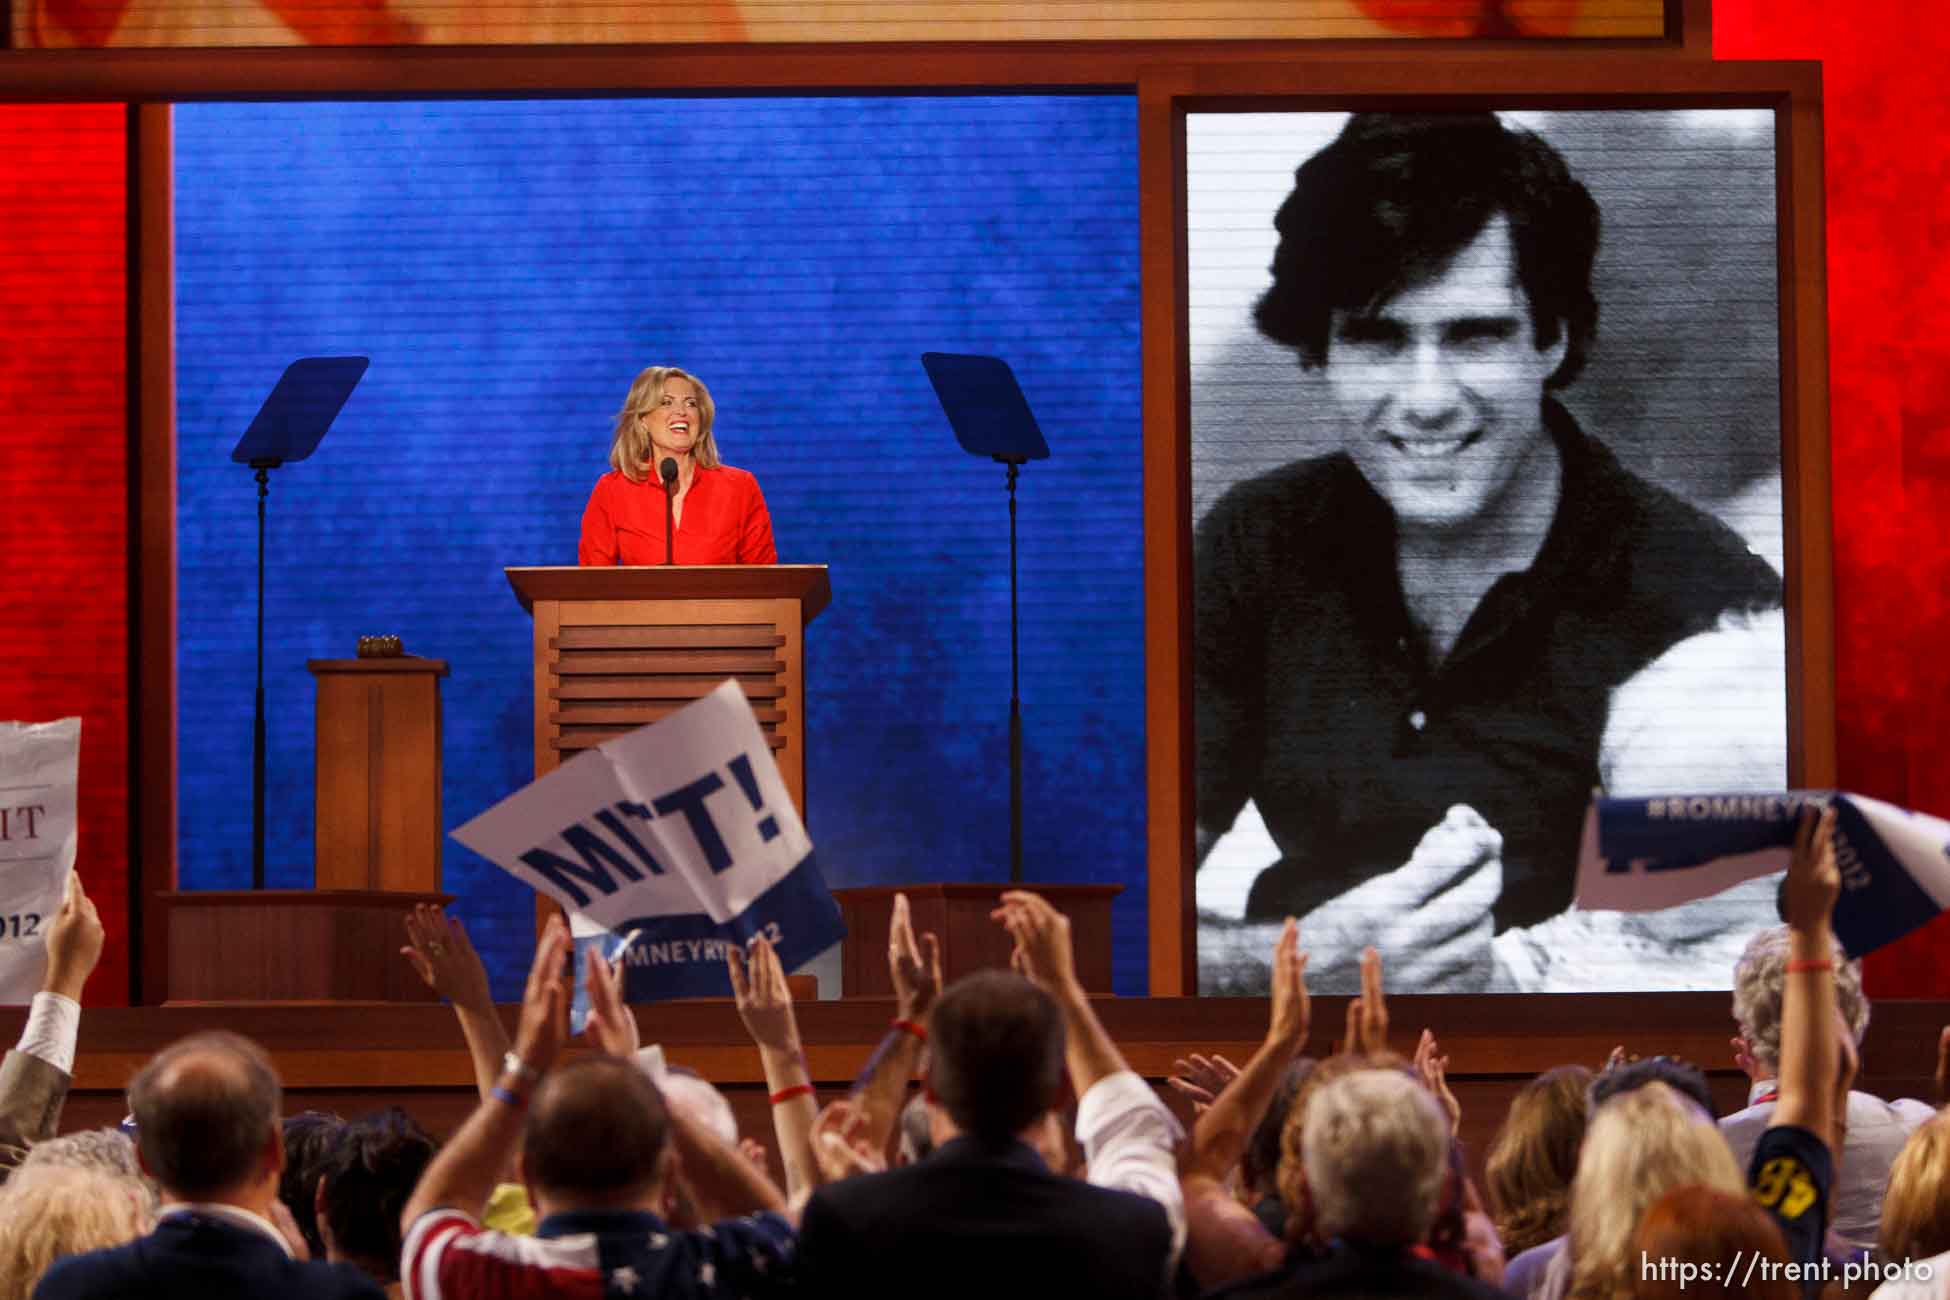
(1887, 159)
(64, 458)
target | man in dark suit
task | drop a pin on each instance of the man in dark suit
(983, 1215)
(206, 1113)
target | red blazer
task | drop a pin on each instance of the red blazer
(724, 521)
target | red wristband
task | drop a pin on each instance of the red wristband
(1804, 965)
(796, 1090)
(911, 1027)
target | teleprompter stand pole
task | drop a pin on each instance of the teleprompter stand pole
(263, 469)
(288, 427)
(1015, 696)
(991, 417)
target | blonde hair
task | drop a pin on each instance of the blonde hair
(1639, 1146)
(1916, 1205)
(629, 446)
(49, 1212)
(1528, 1172)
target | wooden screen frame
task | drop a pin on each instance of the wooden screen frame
(1166, 94)
(1677, 67)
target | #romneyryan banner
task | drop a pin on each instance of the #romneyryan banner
(680, 832)
(1643, 854)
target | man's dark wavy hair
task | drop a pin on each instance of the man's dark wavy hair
(996, 1053)
(1397, 195)
(369, 1176)
(309, 1140)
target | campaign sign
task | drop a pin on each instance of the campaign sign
(39, 768)
(680, 832)
(1643, 854)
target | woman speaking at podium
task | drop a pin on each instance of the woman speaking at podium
(663, 452)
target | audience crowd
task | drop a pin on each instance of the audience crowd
(1030, 1159)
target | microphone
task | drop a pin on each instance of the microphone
(668, 472)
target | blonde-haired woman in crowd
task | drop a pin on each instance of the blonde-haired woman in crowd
(1638, 1147)
(50, 1211)
(1916, 1212)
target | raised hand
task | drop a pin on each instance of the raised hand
(1433, 1069)
(1201, 1078)
(74, 942)
(842, 1145)
(1367, 1015)
(443, 956)
(611, 1026)
(1042, 934)
(917, 981)
(1814, 882)
(545, 1001)
(1292, 1012)
(764, 998)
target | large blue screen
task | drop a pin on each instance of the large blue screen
(509, 267)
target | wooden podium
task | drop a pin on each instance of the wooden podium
(292, 945)
(376, 844)
(617, 647)
(377, 774)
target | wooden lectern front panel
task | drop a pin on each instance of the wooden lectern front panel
(605, 668)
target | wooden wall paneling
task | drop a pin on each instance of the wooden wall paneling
(290, 945)
(1167, 537)
(52, 23)
(937, 66)
(1805, 461)
(1691, 21)
(960, 916)
(153, 567)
